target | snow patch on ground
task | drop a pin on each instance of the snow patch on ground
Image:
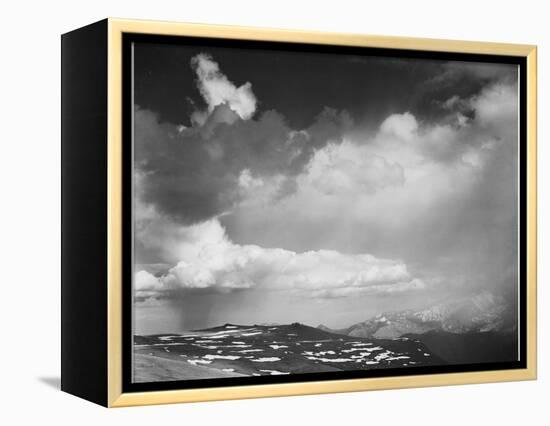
(314, 358)
(393, 358)
(346, 351)
(273, 372)
(278, 346)
(165, 338)
(383, 355)
(267, 359)
(198, 361)
(321, 353)
(206, 346)
(231, 357)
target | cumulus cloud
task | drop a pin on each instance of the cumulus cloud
(210, 260)
(403, 126)
(439, 195)
(146, 285)
(345, 167)
(496, 106)
(472, 126)
(216, 89)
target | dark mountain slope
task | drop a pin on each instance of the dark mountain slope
(470, 348)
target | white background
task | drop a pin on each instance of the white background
(30, 212)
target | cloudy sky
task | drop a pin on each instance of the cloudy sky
(275, 186)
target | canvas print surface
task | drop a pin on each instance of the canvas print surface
(298, 212)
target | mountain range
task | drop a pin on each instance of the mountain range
(483, 312)
(482, 328)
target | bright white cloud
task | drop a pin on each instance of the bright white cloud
(496, 105)
(408, 186)
(216, 89)
(143, 280)
(209, 259)
(388, 181)
(403, 126)
(146, 286)
(346, 167)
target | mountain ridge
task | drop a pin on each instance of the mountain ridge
(483, 312)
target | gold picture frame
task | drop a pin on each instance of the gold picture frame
(115, 28)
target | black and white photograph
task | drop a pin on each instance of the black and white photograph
(300, 212)
(232, 213)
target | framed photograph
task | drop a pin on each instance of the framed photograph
(250, 212)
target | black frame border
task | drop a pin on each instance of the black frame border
(127, 202)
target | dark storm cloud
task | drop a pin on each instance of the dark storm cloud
(193, 174)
